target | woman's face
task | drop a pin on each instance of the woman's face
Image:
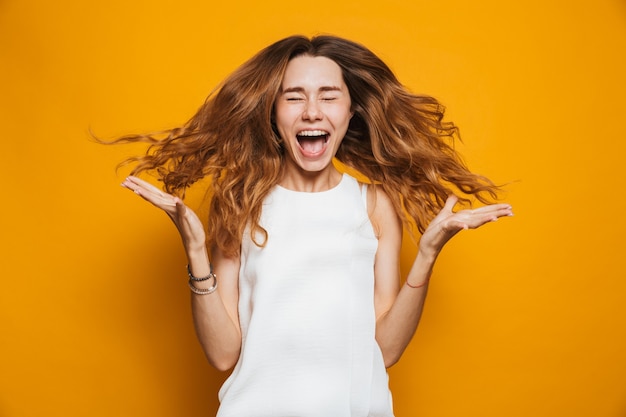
(312, 112)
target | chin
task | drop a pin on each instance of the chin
(317, 166)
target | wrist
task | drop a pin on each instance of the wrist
(196, 251)
(428, 256)
(195, 247)
(198, 260)
(423, 284)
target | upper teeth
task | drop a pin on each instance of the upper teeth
(312, 133)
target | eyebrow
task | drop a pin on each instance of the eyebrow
(300, 89)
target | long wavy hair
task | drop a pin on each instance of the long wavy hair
(398, 140)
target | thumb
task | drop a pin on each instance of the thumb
(181, 208)
(449, 205)
(451, 202)
(179, 211)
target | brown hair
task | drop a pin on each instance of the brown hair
(396, 139)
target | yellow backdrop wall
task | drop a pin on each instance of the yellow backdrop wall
(525, 318)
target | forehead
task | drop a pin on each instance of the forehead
(312, 72)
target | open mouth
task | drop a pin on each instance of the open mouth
(312, 141)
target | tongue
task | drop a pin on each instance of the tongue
(312, 144)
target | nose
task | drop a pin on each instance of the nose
(312, 111)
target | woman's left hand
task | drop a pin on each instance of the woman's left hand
(448, 223)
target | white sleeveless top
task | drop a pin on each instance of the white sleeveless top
(306, 309)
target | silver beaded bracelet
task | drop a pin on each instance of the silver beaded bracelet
(199, 291)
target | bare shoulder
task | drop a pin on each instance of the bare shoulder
(382, 213)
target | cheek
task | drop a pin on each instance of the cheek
(284, 117)
(342, 118)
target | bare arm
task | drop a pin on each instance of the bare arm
(215, 315)
(398, 310)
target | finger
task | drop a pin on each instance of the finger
(504, 208)
(486, 213)
(150, 193)
(179, 213)
(483, 214)
(145, 189)
(476, 220)
(446, 210)
(497, 211)
(450, 203)
(135, 183)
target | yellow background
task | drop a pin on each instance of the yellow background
(526, 317)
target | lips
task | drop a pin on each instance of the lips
(312, 142)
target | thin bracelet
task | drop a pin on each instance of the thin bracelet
(198, 279)
(200, 291)
(417, 286)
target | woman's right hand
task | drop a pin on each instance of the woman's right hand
(187, 222)
(215, 317)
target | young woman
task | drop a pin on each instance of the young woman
(309, 309)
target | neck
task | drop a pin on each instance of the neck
(310, 182)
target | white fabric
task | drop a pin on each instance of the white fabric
(306, 308)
